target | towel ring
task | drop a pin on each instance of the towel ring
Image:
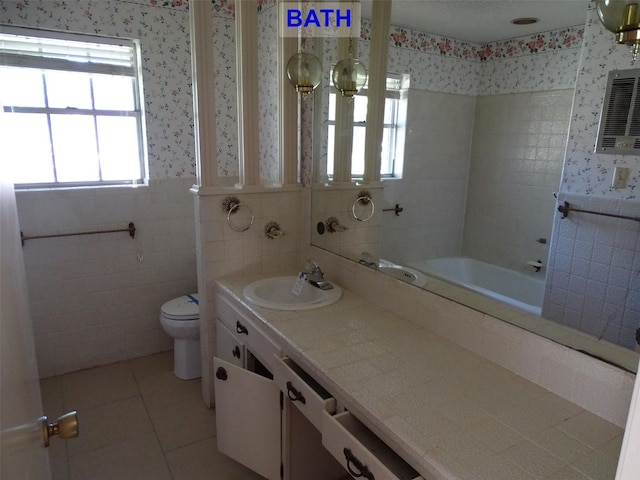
(363, 200)
(232, 210)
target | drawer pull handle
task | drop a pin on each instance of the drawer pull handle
(236, 352)
(240, 328)
(295, 395)
(361, 470)
(221, 374)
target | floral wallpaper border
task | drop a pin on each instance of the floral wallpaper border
(551, 41)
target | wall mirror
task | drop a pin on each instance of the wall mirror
(477, 113)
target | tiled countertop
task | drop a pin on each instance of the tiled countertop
(448, 412)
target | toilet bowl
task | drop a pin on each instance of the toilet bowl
(180, 318)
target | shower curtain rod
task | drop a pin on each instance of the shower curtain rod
(131, 230)
(566, 208)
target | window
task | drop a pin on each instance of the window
(395, 112)
(72, 114)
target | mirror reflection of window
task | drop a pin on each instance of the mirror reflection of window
(395, 113)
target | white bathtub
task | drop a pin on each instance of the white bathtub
(524, 292)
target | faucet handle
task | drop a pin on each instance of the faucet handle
(312, 266)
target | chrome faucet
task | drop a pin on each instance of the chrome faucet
(315, 276)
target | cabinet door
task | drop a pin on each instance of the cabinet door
(248, 418)
(228, 348)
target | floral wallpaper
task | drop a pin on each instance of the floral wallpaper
(545, 61)
(586, 172)
(268, 92)
(166, 64)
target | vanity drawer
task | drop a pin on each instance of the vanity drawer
(361, 452)
(246, 331)
(303, 391)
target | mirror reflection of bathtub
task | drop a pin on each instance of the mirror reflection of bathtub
(520, 290)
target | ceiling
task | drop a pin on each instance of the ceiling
(483, 21)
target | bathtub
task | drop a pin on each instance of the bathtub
(519, 290)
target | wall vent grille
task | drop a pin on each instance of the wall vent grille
(619, 130)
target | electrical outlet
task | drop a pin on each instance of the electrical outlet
(620, 177)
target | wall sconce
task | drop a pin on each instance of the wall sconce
(304, 71)
(349, 75)
(622, 17)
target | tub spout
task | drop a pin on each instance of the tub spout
(536, 264)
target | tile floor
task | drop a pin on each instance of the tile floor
(137, 421)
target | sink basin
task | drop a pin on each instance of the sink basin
(276, 293)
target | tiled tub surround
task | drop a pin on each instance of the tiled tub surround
(96, 299)
(593, 282)
(447, 410)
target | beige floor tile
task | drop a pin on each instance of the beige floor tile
(98, 386)
(202, 461)
(111, 423)
(180, 424)
(139, 458)
(166, 389)
(144, 367)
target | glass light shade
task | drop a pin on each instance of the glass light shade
(304, 71)
(622, 17)
(619, 15)
(349, 76)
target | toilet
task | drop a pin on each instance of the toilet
(180, 318)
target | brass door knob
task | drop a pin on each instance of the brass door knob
(66, 427)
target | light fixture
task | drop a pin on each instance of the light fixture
(304, 71)
(525, 21)
(349, 75)
(622, 17)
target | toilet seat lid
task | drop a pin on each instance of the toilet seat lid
(182, 308)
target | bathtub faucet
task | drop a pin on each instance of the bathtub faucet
(536, 264)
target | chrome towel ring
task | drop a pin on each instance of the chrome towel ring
(232, 205)
(364, 198)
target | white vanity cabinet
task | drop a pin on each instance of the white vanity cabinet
(247, 400)
(361, 452)
(277, 419)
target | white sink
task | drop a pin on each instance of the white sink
(276, 293)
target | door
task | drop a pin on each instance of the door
(22, 452)
(248, 418)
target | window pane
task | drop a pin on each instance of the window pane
(68, 89)
(111, 92)
(21, 87)
(74, 147)
(389, 110)
(386, 163)
(118, 144)
(331, 142)
(357, 157)
(359, 108)
(332, 106)
(25, 144)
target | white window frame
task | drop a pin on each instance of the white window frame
(78, 61)
(391, 166)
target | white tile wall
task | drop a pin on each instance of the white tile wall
(593, 282)
(222, 251)
(433, 187)
(361, 236)
(516, 164)
(92, 300)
